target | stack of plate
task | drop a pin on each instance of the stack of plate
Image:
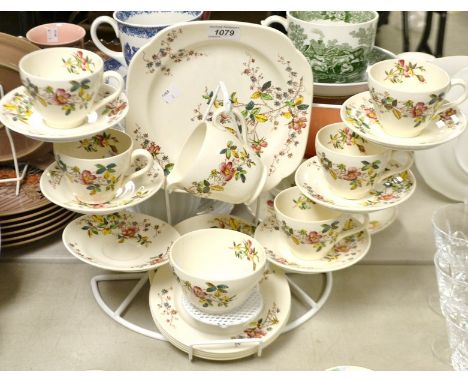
(29, 216)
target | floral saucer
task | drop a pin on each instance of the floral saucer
(18, 113)
(55, 188)
(387, 193)
(344, 254)
(122, 241)
(165, 300)
(215, 221)
(358, 114)
(378, 220)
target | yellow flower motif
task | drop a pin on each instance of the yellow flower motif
(298, 100)
(10, 106)
(106, 231)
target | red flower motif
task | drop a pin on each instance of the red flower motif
(227, 170)
(257, 146)
(270, 203)
(61, 97)
(298, 123)
(418, 109)
(118, 108)
(342, 248)
(129, 231)
(87, 177)
(314, 237)
(153, 149)
(197, 291)
(254, 332)
(352, 174)
(370, 113)
(386, 197)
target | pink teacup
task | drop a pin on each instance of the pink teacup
(57, 34)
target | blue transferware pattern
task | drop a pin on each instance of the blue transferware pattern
(142, 32)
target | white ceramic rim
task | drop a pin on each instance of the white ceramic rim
(260, 266)
(375, 18)
(409, 91)
(322, 131)
(59, 148)
(296, 188)
(114, 16)
(45, 51)
(52, 44)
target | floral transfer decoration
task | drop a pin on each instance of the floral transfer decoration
(159, 259)
(269, 106)
(212, 295)
(318, 239)
(403, 70)
(420, 112)
(345, 137)
(356, 177)
(97, 180)
(162, 60)
(233, 224)
(19, 108)
(77, 96)
(77, 251)
(154, 149)
(79, 63)
(113, 110)
(167, 306)
(261, 327)
(98, 141)
(121, 225)
(363, 117)
(246, 250)
(303, 203)
(233, 167)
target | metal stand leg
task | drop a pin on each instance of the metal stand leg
(315, 306)
(116, 315)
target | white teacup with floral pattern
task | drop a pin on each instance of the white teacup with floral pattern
(64, 82)
(352, 165)
(406, 95)
(217, 268)
(311, 230)
(216, 163)
(96, 167)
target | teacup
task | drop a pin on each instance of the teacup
(337, 44)
(57, 34)
(218, 164)
(136, 28)
(64, 82)
(217, 268)
(96, 167)
(352, 165)
(406, 95)
(311, 230)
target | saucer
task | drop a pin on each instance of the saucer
(165, 300)
(378, 220)
(123, 241)
(215, 221)
(18, 113)
(344, 254)
(387, 193)
(358, 114)
(55, 188)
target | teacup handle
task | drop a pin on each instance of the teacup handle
(401, 167)
(459, 100)
(118, 56)
(275, 19)
(359, 227)
(119, 89)
(149, 163)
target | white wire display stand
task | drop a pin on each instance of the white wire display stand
(19, 177)
(313, 306)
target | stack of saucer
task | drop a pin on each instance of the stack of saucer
(29, 216)
(220, 302)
